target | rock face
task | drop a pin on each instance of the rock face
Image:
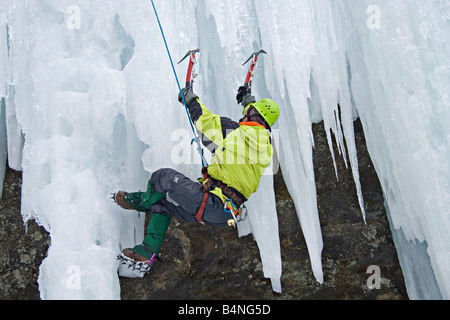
(201, 262)
(21, 253)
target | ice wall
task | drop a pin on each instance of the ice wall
(386, 62)
(11, 138)
(3, 143)
(69, 97)
(400, 73)
(91, 89)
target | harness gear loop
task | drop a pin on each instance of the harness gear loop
(235, 212)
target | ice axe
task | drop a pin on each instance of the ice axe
(191, 75)
(251, 70)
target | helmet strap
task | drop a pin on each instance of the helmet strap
(259, 119)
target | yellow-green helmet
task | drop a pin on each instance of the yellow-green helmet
(269, 110)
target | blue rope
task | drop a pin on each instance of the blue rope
(196, 138)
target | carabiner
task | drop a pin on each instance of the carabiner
(225, 207)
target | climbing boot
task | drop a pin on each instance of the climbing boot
(137, 262)
(142, 256)
(140, 201)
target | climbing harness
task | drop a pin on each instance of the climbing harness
(233, 203)
(201, 211)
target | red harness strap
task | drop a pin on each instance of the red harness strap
(201, 211)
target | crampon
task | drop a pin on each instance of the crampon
(141, 266)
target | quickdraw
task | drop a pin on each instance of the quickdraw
(238, 214)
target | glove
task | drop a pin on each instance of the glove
(242, 92)
(188, 95)
(244, 97)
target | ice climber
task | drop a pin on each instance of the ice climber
(242, 151)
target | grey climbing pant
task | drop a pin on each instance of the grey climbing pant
(182, 200)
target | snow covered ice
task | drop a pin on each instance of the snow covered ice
(88, 107)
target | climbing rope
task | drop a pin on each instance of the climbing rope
(196, 137)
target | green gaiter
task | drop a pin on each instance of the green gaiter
(142, 201)
(156, 231)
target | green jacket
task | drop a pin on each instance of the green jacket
(242, 151)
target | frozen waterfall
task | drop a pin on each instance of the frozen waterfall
(88, 106)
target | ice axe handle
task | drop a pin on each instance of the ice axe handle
(192, 61)
(251, 71)
(189, 72)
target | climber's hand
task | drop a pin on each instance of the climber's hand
(188, 95)
(244, 97)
